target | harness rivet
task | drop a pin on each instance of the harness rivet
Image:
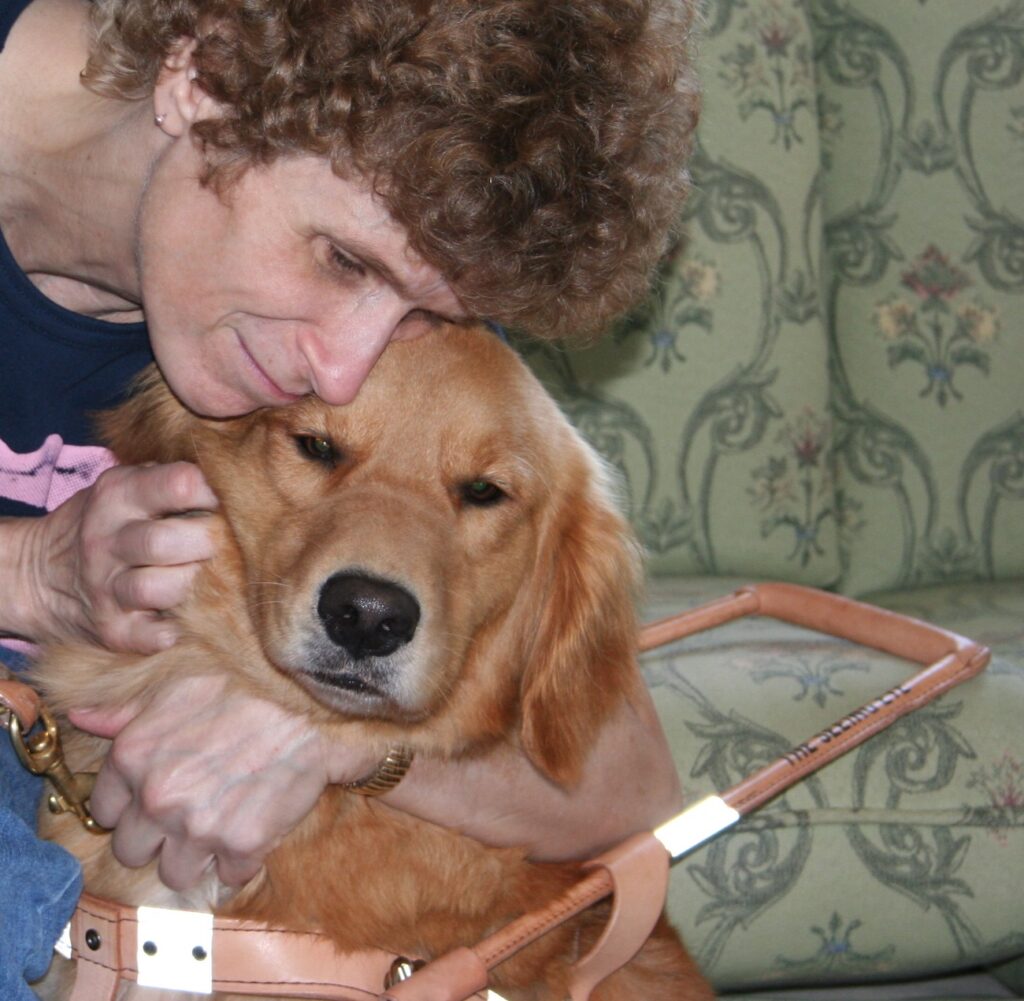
(92, 939)
(199, 953)
(149, 948)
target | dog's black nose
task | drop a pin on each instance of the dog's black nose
(367, 617)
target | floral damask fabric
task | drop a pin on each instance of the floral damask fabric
(826, 385)
(712, 399)
(924, 223)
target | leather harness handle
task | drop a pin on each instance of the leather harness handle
(258, 960)
(950, 659)
(640, 861)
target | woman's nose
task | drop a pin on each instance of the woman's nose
(340, 355)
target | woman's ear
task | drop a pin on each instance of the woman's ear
(581, 663)
(178, 99)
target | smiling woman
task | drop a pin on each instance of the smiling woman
(262, 195)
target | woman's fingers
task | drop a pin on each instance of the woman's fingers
(168, 541)
(121, 551)
(153, 588)
(204, 772)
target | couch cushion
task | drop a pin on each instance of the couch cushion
(923, 136)
(905, 858)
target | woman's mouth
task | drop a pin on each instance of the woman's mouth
(267, 386)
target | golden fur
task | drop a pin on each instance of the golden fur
(526, 634)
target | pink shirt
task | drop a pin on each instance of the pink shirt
(46, 478)
(54, 472)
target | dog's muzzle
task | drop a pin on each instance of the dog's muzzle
(358, 649)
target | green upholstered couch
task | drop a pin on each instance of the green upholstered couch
(827, 387)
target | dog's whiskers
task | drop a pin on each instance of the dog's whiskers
(263, 602)
(266, 602)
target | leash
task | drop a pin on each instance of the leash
(112, 942)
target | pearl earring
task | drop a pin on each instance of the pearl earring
(159, 119)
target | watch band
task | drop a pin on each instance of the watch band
(387, 775)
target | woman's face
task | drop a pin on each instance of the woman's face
(292, 282)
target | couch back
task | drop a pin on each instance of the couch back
(827, 384)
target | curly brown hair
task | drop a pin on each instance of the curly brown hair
(533, 149)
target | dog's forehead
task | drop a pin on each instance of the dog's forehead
(452, 389)
(472, 358)
(456, 373)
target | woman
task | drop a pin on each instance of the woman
(261, 199)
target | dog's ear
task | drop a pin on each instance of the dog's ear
(581, 658)
(151, 426)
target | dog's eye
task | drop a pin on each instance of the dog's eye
(317, 447)
(481, 493)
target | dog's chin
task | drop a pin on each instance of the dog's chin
(372, 687)
(346, 694)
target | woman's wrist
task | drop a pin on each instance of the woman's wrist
(21, 613)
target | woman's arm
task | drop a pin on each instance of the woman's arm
(629, 784)
(209, 776)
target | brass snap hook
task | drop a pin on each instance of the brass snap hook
(43, 754)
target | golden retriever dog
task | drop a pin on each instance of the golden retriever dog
(453, 492)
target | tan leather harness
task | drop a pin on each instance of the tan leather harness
(247, 958)
(244, 957)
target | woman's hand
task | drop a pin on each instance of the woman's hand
(208, 775)
(110, 560)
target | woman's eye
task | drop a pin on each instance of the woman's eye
(345, 263)
(482, 493)
(317, 447)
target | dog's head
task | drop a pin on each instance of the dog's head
(441, 555)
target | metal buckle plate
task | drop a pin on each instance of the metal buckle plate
(696, 824)
(175, 950)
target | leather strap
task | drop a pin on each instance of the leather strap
(950, 659)
(22, 700)
(248, 958)
(639, 872)
(100, 948)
